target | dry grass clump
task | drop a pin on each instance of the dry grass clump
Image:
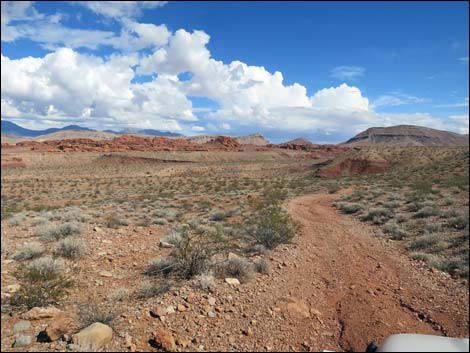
(350, 207)
(55, 232)
(28, 251)
(237, 267)
(153, 288)
(72, 248)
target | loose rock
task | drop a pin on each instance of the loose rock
(165, 340)
(93, 337)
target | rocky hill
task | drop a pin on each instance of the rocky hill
(254, 139)
(407, 135)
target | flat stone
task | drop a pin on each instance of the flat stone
(22, 341)
(22, 325)
(41, 313)
(61, 325)
(165, 340)
(232, 281)
(93, 337)
(12, 288)
(105, 274)
(165, 245)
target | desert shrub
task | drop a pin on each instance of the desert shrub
(447, 201)
(402, 218)
(192, 252)
(17, 219)
(29, 251)
(89, 314)
(270, 225)
(150, 289)
(74, 215)
(433, 228)
(421, 256)
(45, 267)
(257, 249)
(113, 221)
(377, 215)
(422, 187)
(426, 212)
(38, 221)
(3, 247)
(450, 213)
(43, 283)
(173, 237)
(391, 204)
(237, 267)
(424, 242)
(56, 232)
(71, 248)
(206, 281)
(394, 230)
(350, 207)
(459, 222)
(333, 188)
(262, 266)
(162, 266)
(160, 221)
(119, 295)
(218, 215)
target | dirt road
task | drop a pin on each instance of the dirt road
(339, 287)
(362, 288)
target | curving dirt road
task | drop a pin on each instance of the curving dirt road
(339, 287)
(361, 287)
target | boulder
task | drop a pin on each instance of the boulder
(21, 325)
(93, 337)
(12, 288)
(61, 325)
(165, 245)
(232, 281)
(297, 308)
(38, 313)
(165, 340)
(22, 341)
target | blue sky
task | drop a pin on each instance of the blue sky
(323, 70)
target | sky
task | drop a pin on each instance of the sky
(321, 70)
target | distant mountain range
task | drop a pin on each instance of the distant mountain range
(393, 136)
(407, 135)
(12, 129)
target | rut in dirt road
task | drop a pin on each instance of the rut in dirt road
(370, 289)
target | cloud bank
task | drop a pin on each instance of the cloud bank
(155, 87)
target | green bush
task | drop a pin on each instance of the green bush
(43, 283)
(150, 289)
(460, 222)
(350, 207)
(426, 212)
(270, 225)
(377, 215)
(394, 231)
(191, 256)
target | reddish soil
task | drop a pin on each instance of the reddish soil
(326, 150)
(355, 166)
(13, 162)
(338, 287)
(137, 143)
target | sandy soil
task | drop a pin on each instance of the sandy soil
(340, 286)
